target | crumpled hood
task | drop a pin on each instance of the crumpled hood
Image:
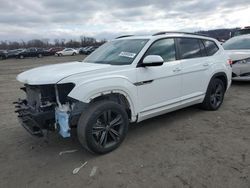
(238, 54)
(52, 74)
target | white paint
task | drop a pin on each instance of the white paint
(174, 85)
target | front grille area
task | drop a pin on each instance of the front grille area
(37, 112)
(39, 98)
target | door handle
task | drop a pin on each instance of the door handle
(177, 70)
(205, 65)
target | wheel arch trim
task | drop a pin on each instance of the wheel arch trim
(89, 89)
(219, 74)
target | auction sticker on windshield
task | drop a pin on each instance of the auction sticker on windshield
(127, 54)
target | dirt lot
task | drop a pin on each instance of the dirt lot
(187, 148)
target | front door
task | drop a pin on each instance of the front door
(159, 87)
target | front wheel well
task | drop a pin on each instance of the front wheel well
(115, 97)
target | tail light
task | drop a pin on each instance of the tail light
(230, 62)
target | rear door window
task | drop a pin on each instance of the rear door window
(189, 48)
(211, 47)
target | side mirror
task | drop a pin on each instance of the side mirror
(152, 60)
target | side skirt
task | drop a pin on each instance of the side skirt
(170, 108)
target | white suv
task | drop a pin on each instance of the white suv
(129, 79)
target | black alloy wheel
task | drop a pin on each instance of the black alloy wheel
(217, 94)
(214, 95)
(103, 127)
(108, 129)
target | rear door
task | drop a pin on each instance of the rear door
(195, 66)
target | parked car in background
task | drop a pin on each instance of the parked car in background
(52, 51)
(243, 31)
(3, 54)
(82, 50)
(31, 52)
(67, 51)
(90, 50)
(14, 53)
(78, 49)
(126, 80)
(238, 48)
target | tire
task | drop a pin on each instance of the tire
(59, 55)
(74, 54)
(21, 57)
(96, 133)
(1, 58)
(214, 95)
(40, 55)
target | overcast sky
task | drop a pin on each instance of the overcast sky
(29, 19)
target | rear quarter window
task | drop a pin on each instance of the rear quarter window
(211, 47)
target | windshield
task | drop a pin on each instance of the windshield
(237, 43)
(117, 52)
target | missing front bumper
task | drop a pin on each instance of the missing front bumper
(34, 122)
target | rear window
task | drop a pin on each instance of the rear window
(189, 48)
(211, 47)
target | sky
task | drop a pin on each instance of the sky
(66, 19)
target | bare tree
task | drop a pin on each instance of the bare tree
(63, 42)
(57, 43)
(45, 43)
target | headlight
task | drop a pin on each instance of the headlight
(243, 61)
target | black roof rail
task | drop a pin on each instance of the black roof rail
(178, 32)
(123, 36)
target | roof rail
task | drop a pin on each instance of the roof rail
(178, 32)
(122, 36)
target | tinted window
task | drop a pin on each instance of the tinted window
(164, 48)
(189, 48)
(31, 50)
(211, 47)
(237, 43)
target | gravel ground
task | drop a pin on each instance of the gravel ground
(186, 148)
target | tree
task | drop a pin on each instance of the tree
(57, 43)
(45, 43)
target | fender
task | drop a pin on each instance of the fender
(219, 74)
(92, 88)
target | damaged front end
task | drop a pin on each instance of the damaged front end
(48, 108)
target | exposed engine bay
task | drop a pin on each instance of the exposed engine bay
(48, 108)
